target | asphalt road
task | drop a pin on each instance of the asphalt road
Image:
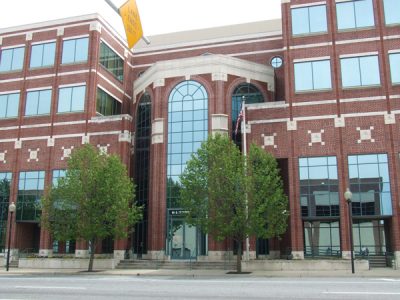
(132, 287)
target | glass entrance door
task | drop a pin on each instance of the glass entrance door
(183, 240)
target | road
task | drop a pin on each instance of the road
(99, 287)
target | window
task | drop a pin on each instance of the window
(107, 105)
(314, 75)
(187, 129)
(30, 190)
(360, 71)
(319, 186)
(142, 170)
(392, 11)
(252, 95)
(369, 237)
(75, 51)
(395, 67)
(9, 105)
(306, 20)
(38, 103)
(321, 238)
(111, 61)
(43, 55)
(12, 59)
(355, 14)
(5, 179)
(71, 99)
(276, 62)
(57, 174)
(370, 185)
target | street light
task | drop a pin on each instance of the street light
(347, 195)
(11, 209)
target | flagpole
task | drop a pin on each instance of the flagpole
(116, 9)
(244, 132)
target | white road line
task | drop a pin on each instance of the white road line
(50, 287)
(361, 293)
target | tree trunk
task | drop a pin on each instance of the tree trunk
(91, 258)
(239, 258)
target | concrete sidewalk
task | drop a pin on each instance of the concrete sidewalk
(374, 273)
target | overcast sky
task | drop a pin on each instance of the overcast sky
(158, 16)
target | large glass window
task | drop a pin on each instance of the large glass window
(12, 59)
(187, 129)
(355, 14)
(75, 50)
(250, 94)
(360, 71)
(38, 103)
(370, 185)
(111, 61)
(312, 75)
(71, 99)
(5, 181)
(392, 11)
(319, 186)
(106, 104)
(9, 105)
(43, 55)
(369, 237)
(30, 190)
(142, 169)
(57, 174)
(322, 238)
(306, 20)
(395, 67)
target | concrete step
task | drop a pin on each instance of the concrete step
(13, 264)
(377, 261)
(161, 264)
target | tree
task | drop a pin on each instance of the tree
(94, 200)
(230, 196)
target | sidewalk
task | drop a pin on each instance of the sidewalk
(374, 273)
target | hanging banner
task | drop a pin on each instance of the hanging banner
(131, 19)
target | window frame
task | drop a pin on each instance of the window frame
(103, 96)
(359, 59)
(354, 10)
(308, 9)
(313, 71)
(20, 65)
(43, 45)
(38, 102)
(116, 57)
(71, 99)
(6, 116)
(393, 68)
(75, 61)
(397, 22)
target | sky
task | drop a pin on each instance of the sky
(157, 16)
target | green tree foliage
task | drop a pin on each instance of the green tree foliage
(95, 200)
(230, 196)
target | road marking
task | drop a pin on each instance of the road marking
(49, 287)
(361, 293)
(389, 279)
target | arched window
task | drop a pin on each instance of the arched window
(252, 95)
(187, 129)
(142, 164)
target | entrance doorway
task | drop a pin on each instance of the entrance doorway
(184, 241)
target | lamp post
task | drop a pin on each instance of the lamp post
(11, 209)
(347, 195)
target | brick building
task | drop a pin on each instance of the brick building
(322, 91)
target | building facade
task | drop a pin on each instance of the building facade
(322, 92)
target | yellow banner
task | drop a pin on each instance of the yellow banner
(131, 19)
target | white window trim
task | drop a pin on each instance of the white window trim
(375, 53)
(76, 37)
(71, 85)
(43, 42)
(300, 60)
(10, 92)
(308, 4)
(40, 89)
(13, 46)
(394, 51)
